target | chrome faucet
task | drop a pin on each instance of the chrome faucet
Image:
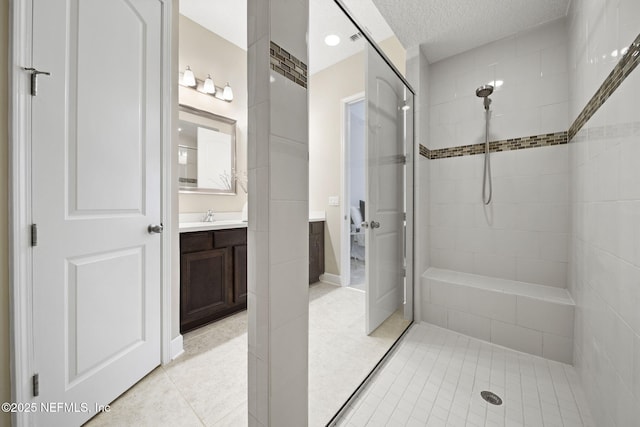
(208, 217)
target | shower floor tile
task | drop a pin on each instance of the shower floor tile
(435, 377)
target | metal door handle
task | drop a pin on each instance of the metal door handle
(34, 79)
(364, 224)
(375, 224)
(155, 228)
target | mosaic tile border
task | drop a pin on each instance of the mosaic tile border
(424, 151)
(623, 68)
(544, 140)
(629, 61)
(288, 65)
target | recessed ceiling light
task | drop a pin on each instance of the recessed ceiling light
(332, 40)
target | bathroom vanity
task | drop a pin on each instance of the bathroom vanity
(213, 268)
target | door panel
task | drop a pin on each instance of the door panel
(98, 283)
(108, 147)
(385, 149)
(96, 135)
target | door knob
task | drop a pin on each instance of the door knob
(375, 224)
(155, 228)
(364, 224)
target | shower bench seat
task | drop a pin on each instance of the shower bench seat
(531, 318)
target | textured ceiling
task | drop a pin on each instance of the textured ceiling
(446, 27)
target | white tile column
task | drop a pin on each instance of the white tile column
(278, 300)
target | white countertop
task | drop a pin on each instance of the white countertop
(224, 221)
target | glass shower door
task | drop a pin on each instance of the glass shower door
(389, 128)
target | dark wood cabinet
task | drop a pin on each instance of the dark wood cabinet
(316, 251)
(213, 276)
(213, 272)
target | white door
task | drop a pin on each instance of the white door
(385, 148)
(96, 137)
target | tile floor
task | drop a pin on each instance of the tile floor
(207, 385)
(357, 279)
(435, 377)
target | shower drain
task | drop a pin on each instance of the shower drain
(491, 397)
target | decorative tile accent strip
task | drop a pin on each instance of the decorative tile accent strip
(544, 140)
(288, 65)
(623, 68)
(424, 151)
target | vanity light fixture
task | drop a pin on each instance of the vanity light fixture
(206, 86)
(228, 93)
(188, 78)
(209, 87)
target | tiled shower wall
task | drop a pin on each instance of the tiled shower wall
(604, 268)
(523, 235)
(533, 98)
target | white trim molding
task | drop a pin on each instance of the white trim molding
(20, 292)
(177, 347)
(332, 279)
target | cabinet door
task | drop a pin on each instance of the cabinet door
(240, 274)
(314, 271)
(204, 292)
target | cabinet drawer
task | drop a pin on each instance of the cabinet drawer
(196, 241)
(316, 227)
(225, 238)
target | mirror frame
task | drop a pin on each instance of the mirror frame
(216, 118)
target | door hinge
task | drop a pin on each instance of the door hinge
(404, 272)
(34, 234)
(35, 382)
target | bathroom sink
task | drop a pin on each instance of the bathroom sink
(214, 225)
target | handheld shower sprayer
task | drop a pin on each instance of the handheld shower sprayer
(484, 92)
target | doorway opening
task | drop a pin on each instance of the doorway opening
(355, 192)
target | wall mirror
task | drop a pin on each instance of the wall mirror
(206, 152)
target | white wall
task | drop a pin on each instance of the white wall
(532, 100)
(523, 234)
(5, 384)
(278, 232)
(208, 53)
(604, 274)
(418, 77)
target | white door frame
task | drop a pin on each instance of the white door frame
(20, 257)
(345, 214)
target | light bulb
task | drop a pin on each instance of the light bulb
(332, 40)
(209, 86)
(227, 94)
(188, 79)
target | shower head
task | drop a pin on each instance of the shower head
(484, 91)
